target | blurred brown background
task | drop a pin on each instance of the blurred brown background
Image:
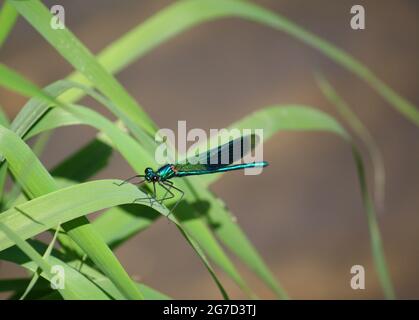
(304, 213)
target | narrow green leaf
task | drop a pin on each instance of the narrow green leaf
(375, 236)
(13, 284)
(69, 291)
(118, 224)
(85, 275)
(363, 133)
(45, 212)
(82, 60)
(4, 121)
(8, 17)
(76, 285)
(37, 273)
(13, 81)
(85, 163)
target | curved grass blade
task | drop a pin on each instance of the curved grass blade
(74, 280)
(37, 273)
(15, 82)
(5, 122)
(17, 285)
(119, 224)
(8, 17)
(84, 163)
(85, 273)
(71, 291)
(82, 60)
(4, 119)
(375, 236)
(45, 212)
(363, 133)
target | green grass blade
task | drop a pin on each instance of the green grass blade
(79, 56)
(363, 133)
(85, 163)
(38, 272)
(16, 285)
(85, 273)
(4, 121)
(69, 291)
(75, 283)
(375, 236)
(15, 82)
(8, 17)
(45, 212)
(119, 224)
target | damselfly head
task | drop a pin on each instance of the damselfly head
(150, 175)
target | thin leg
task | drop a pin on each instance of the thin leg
(165, 197)
(167, 191)
(129, 179)
(181, 197)
(152, 199)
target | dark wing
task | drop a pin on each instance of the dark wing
(220, 156)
